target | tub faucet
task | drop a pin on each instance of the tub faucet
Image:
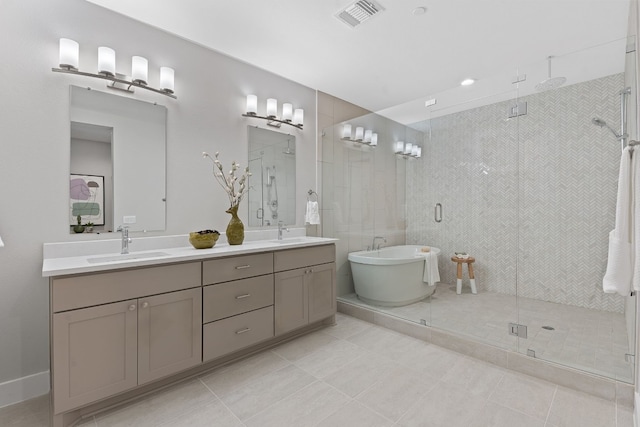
(373, 244)
(281, 228)
(125, 238)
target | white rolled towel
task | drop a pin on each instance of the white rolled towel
(312, 215)
(619, 268)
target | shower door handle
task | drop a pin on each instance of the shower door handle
(437, 212)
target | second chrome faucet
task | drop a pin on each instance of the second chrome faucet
(125, 239)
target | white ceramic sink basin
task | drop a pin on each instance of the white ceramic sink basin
(126, 257)
(292, 240)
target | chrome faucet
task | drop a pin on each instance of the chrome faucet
(281, 228)
(373, 244)
(125, 238)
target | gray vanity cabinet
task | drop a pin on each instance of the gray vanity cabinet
(104, 349)
(305, 283)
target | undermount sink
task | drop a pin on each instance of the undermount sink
(292, 240)
(126, 257)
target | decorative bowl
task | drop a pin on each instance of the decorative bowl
(203, 239)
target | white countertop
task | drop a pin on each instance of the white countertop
(94, 261)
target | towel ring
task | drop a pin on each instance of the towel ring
(310, 196)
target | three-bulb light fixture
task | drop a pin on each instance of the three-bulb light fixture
(290, 116)
(69, 59)
(407, 150)
(363, 136)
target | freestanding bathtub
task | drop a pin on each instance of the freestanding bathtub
(391, 276)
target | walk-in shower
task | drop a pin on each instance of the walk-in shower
(531, 198)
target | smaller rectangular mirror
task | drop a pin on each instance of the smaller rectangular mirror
(272, 185)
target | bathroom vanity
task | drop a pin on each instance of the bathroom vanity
(125, 326)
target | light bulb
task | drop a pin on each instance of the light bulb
(287, 112)
(298, 116)
(408, 148)
(252, 105)
(166, 79)
(69, 54)
(359, 133)
(106, 61)
(399, 147)
(272, 107)
(374, 139)
(139, 70)
(367, 136)
(346, 131)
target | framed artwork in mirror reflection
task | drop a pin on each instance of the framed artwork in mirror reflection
(86, 198)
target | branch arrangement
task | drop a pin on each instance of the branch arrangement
(228, 181)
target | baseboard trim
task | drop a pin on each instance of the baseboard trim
(24, 388)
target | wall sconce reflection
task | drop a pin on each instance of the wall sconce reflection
(290, 116)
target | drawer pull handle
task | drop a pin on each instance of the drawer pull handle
(243, 296)
(242, 267)
(132, 307)
(242, 331)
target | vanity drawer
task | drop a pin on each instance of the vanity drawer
(231, 298)
(237, 267)
(296, 258)
(101, 288)
(237, 332)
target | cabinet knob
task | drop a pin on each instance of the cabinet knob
(132, 307)
(145, 304)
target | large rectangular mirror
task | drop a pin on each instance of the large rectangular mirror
(118, 162)
(272, 185)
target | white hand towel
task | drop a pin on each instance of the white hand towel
(1, 243)
(619, 273)
(312, 215)
(633, 220)
(431, 273)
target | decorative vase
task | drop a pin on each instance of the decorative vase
(235, 229)
(78, 228)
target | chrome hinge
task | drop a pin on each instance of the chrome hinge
(518, 330)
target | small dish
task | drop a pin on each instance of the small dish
(203, 239)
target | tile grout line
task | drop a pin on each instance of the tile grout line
(553, 399)
(220, 400)
(283, 398)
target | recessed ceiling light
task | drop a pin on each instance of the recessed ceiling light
(467, 82)
(419, 11)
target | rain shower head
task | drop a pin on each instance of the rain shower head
(599, 122)
(550, 82)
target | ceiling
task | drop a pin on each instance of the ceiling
(396, 60)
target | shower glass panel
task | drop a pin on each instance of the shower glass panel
(568, 171)
(464, 199)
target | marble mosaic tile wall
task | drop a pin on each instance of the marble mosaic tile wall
(532, 199)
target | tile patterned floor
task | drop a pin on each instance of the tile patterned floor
(591, 340)
(353, 374)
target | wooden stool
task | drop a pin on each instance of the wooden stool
(472, 279)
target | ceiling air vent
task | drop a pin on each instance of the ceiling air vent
(358, 12)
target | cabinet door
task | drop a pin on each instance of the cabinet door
(322, 291)
(290, 300)
(169, 333)
(94, 353)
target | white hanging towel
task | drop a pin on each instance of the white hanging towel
(633, 221)
(619, 273)
(312, 215)
(431, 273)
(1, 243)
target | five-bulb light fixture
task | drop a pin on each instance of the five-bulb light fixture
(290, 116)
(362, 136)
(407, 150)
(69, 59)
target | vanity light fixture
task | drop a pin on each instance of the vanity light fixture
(69, 59)
(407, 150)
(290, 116)
(363, 136)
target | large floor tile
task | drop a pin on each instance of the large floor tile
(355, 414)
(494, 415)
(329, 359)
(475, 376)
(214, 413)
(346, 326)
(303, 346)
(307, 407)
(355, 377)
(174, 402)
(572, 408)
(32, 412)
(396, 392)
(524, 394)
(266, 390)
(237, 375)
(444, 406)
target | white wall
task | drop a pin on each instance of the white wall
(34, 159)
